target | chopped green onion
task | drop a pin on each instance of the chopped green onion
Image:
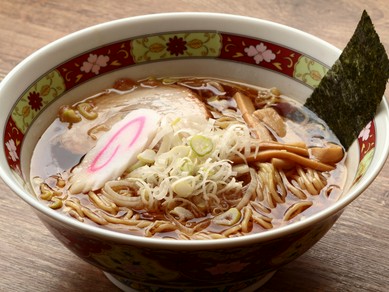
(56, 203)
(188, 166)
(136, 165)
(86, 110)
(147, 156)
(229, 218)
(240, 169)
(68, 115)
(184, 186)
(201, 145)
(176, 121)
(182, 214)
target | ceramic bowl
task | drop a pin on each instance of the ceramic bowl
(238, 48)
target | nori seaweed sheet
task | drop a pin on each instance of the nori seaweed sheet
(349, 94)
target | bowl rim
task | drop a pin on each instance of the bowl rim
(10, 181)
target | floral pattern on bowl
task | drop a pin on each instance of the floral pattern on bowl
(156, 48)
(155, 269)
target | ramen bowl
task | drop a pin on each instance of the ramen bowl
(242, 49)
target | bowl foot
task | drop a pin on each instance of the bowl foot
(127, 285)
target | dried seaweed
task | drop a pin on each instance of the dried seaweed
(349, 94)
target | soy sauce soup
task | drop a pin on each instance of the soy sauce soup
(187, 158)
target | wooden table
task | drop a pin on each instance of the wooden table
(353, 256)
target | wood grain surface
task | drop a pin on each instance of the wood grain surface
(353, 256)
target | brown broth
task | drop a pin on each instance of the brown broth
(52, 159)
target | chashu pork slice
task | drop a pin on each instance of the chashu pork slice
(113, 105)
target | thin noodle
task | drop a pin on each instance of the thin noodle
(75, 215)
(99, 203)
(123, 200)
(295, 191)
(75, 205)
(124, 221)
(305, 182)
(263, 221)
(247, 214)
(94, 216)
(258, 207)
(296, 209)
(318, 182)
(232, 230)
(159, 226)
(250, 190)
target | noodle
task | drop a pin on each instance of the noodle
(102, 203)
(122, 193)
(246, 219)
(250, 190)
(296, 209)
(94, 216)
(75, 206)
(263, 221)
